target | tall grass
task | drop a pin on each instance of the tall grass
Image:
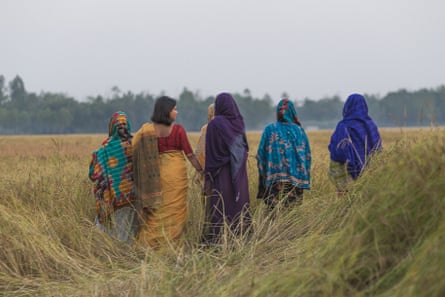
(384, 238)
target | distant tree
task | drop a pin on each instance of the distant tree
(3, 95)
(116, 91)
(191, 111)
(323, 113)
(27, 112)
(267, 99)
(17, 91)
(439, 104)
(142, 110)
(284, 95)
(256, 112)
(375, 108)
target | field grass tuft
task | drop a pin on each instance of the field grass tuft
(385, 237)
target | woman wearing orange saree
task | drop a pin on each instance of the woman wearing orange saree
(161, 179)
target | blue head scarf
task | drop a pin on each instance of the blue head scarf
(355, 137)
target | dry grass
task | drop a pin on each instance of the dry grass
(384, 239)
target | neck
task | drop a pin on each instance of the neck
(162, 130)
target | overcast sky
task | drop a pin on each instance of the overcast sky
(307, 48)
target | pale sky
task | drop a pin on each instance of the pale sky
(307, 48)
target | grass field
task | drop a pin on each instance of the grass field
(386, 237)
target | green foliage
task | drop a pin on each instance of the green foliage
(17, 91)
(56, 113)
(3, 96)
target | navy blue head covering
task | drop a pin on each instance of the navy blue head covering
(355, 137)
(225, 107)
(222, 131)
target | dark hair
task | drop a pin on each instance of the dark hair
(161, 113)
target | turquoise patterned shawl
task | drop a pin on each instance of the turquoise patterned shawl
(284, 154)
(111, 169)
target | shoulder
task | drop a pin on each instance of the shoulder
(217, 120)
(144, 127)
(340, 126)
(178, 128)
(215, 123)
(271, 126)
(204, 127)
(104, 143)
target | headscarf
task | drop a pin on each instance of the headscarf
(111, 168)
(286, 112)
(226, 141)
(355, 137)
(284, 153)
(227, 110)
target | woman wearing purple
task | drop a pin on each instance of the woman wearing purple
(353, 142)
(226, 182)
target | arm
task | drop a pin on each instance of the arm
(195, 163)
(200, 146)
(186, 147)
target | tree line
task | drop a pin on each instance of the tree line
(23, 112)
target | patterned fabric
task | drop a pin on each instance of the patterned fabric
(146, 167)
(286, 112)
(165, 224)
(111, 169)
(284, 153)
(166, 165)
(356, 137)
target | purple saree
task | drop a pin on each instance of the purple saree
(226, 179)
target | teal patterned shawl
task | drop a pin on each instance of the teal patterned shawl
(111, 168)
(284, 154)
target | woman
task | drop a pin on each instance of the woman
(201, 146)
(161, 175)
(226, 182)
(111, 171)
(354, 140)
(284, 159)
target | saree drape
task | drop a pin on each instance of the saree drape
(166, 222)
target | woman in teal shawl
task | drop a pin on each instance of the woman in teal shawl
(284, 159)
(111, 171)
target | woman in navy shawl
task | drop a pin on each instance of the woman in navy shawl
(226, 181)
(354, 140)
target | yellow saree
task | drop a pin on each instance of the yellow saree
(165, 222)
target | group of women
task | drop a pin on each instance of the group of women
(141, 184)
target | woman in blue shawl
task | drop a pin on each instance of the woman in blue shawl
(284, 159)
(354, 140)
(226, 182)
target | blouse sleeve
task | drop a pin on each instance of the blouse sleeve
(183, 140)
